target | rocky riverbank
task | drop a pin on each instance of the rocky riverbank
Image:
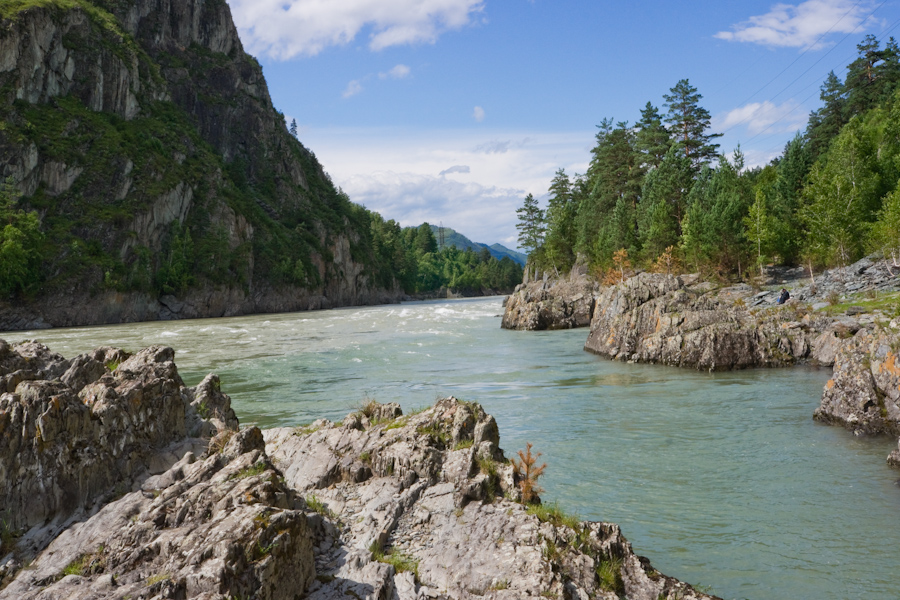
(118, 481)
(684, 322)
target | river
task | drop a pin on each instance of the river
(720, 479)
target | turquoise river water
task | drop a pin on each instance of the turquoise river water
(720, 479)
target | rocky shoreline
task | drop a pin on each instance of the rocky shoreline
(118, 481)
(684, 322)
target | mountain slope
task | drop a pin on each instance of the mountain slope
(452, 237)
(166, 184)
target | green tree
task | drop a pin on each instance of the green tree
(760, 229)
(825, 123)
(664, 202)
(689, 123)
(842, 197)
(886, 232)
(425, 241)
(561, 211)
(20, 244)
(652, 139)
(531, 225)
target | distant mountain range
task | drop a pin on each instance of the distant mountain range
(451, 237)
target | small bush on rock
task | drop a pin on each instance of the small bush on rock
(529, 473)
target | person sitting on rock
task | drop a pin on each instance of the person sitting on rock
(783, 297)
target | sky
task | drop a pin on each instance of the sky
(452, 111)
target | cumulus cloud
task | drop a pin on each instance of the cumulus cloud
(481, 211)
(762, 116)
(283, 29)
(801, 25)
(353, 88)
(398, 72)
(494, 147)
(478, 114)
(456, 169)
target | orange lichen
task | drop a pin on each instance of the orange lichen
(890, 364)
(830, 384)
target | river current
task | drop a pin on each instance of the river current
(720, 479)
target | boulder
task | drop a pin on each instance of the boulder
(564, 303)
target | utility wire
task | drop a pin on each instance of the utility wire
(894, 26)
(808, 48)
(821, 58)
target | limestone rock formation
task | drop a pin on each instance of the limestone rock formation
(379, 506)
(864, 393)
(657, 318)
(564, 303)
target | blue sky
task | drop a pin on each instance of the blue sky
(453, 110)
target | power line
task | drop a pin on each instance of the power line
(796, 79)
(808, 48)
(894, 26)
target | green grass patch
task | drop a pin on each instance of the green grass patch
(402, 563)
(886, 303)
(609, 574)
(553, 514)
(251, 471)
(463, 444)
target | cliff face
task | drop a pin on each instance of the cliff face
(381, 505)
(165, 181)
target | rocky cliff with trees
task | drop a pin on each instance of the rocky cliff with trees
(147, 175)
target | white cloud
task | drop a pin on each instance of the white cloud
(479, 211)
(283, 29)
(353, 88)
(464, 169)
(398, 173)
(764, 116)
(478, 114)
(398, 72)
(801, 25)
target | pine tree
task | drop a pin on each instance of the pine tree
(293, 127)
(826, 122)
(561, 209)
(531, 225)
(652, 139)
(664, 202)
(689, 123)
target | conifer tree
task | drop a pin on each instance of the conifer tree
(689, 123)
(561, 210)
(652, 137)
(531, 225)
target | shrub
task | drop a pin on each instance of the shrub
(528, 473)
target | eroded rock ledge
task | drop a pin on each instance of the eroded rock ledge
(564, 303)
(380, 506)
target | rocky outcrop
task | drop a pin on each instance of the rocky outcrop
(564, 303)
(863, 395)
(381, 505)
(74, 432)
(655, 318)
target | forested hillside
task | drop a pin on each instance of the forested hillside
(659, 195)
(422, 266)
